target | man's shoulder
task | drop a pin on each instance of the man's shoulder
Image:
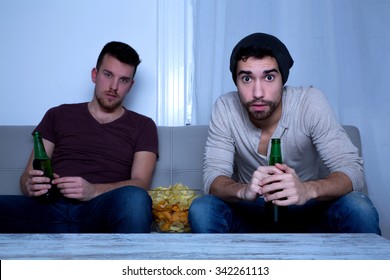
(69, 106)
(303, 95)
(228, 99)
(138, 117)
(231, 95)
(136, 114)
(301, 91)
(60, 111)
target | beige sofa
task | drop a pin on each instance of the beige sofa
(181, 155)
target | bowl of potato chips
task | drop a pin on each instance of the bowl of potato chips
(170, 207)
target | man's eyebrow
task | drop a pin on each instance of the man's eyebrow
(270, 71)
(264, 72)
(244, 72)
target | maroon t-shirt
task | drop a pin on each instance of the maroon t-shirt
(99, 153)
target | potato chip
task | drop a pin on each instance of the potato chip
(170, 207)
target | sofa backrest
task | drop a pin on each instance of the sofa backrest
(180, 161)
(16, 144)
(181, 156)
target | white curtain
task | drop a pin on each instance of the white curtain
(339, 46)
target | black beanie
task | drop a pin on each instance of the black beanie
(266, 42)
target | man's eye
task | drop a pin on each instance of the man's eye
(106, 74)
(269, 78)
(246, 79)
(125, 80)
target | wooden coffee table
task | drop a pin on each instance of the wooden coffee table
(194, 246)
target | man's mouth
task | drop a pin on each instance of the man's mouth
(111, 94)
(259, 106)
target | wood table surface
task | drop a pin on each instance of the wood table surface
(194, 246)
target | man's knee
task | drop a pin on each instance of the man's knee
(128, 200)
(358, 203)
(133, 210)
(208, 214)
(135, 197)
(201, 206)
(358, 213)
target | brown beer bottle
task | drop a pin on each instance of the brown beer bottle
(276, 215)
(42, 162)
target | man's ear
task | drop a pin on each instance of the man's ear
(94, 74)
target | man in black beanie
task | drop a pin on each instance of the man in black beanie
(238, 179)
(266, 43)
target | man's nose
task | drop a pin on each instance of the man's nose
(114, 84)
(258, 91)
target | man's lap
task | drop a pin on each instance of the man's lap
(26, 214)
(352, 212)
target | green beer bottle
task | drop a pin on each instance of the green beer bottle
(276, 214)
(42, 162)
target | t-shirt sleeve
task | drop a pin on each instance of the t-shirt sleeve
(148, 137)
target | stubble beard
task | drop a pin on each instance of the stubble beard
(107, 105)
(260, 115)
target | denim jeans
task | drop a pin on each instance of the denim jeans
(123, 210)
(351, 213)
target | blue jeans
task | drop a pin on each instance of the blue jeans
(123, 210)
(351, 213)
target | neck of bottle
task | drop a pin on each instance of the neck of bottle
(276, 152)
(39, 148)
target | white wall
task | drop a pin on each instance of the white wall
(48, 49)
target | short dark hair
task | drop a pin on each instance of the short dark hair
(121, 51)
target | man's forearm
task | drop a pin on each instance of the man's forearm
(335, 185)
(227, 189)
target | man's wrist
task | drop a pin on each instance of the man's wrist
(242, 193)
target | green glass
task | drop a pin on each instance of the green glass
(42, 162)
(274, 211)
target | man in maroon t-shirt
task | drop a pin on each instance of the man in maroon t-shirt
(103, 157)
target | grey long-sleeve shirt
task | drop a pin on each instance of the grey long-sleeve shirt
(308, 130)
